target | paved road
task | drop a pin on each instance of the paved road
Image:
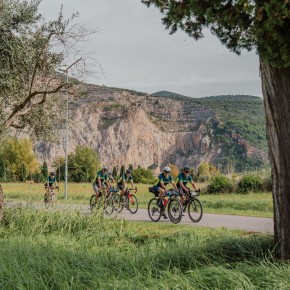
(255, 224)
(214, 221)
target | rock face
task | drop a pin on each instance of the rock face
(125, 127)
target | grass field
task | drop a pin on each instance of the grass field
(68, 250)
(253, 204)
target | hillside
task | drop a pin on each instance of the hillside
(128, 127)
(241, 114)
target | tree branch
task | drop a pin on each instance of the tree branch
(27, 104)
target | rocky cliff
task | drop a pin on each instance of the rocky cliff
(127, 127)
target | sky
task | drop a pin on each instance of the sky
(136, 52)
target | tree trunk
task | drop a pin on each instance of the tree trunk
(276, 92)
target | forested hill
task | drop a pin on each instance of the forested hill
(242, 114)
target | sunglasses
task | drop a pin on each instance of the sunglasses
(166, 171)
(186, 171)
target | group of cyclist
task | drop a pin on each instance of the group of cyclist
(104, 178)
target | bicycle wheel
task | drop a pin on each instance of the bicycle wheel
(108, 205)
(154, 211)
(47, 200)
(195, 210)
(93, 202)
(132, 203)
(174, 210)
(121, 203)
(116, 201)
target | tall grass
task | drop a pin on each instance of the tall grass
(68, 250)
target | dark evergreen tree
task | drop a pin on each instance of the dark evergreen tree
(122, 170)
(3, 176)
(23, 173)
(264, 26)
(115, 173)
(44, 169)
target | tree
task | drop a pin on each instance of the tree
(16, 152)
(264, 26)
(44, 169)
(2, 171)
(174, 170)
(23, 173)
(203, 171)
(59, 165)
(122, 170)
(115, 173)
(142, 175)
(82, 164)
(31, 51)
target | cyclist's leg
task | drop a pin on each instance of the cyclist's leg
(181, 194)
(160, 192)
(122, 189)
(96, 190)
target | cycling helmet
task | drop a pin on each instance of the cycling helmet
(109, 172)
(104, 167)
(52, 173)
(128, 171)
(186, 168)
(167, 169)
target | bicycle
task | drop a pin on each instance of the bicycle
(50, 196)
(128, 200)
(114, 196)
(169, 201)
(193, 206)
(104, 201)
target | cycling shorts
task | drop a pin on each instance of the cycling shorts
(156, 188)
(181, 191)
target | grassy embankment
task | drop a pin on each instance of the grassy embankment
(253, 204)
(68, 250)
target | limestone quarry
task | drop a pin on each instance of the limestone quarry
(126, 127)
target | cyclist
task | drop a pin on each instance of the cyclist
(182, 179)
(160, 184)
(125, 178)
(111, 177)
(50, 182)
(100, 180)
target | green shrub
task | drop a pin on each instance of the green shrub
(220, 184)
(142, 175)
(250, 182)
(38, 177)
(267, 181)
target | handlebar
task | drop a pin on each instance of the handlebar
(195, 192)
(132, 189)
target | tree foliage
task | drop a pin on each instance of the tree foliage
(115, 172)
(82, 164)
(239, 24)
(19, 158)
(174, 170)
(122, 170)
(44, 169)
(142, 175)
(31, 50)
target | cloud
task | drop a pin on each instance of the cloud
(137, 52)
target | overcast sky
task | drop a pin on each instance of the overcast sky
(136, 52)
